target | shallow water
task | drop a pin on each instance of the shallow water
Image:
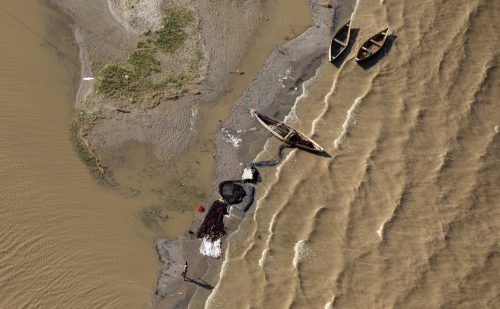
(405, 212)
(66, 242)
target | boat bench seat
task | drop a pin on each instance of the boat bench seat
(339, 42)
(375, 42)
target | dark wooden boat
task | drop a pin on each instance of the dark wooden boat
(287, 134)
(372, 46)
(340, 41)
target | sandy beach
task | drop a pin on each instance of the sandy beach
(225, 33)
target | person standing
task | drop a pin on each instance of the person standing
(184, 272)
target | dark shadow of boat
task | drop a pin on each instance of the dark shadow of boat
(317, 153)
(368, 63)
(352, 39)
(323, 154)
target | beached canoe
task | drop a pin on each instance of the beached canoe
(287, 134)
(340, 41)
(373, 45)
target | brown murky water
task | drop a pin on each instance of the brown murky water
(65, 241)
(406, 212)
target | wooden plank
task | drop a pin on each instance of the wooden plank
(339, 42)
(375, 42)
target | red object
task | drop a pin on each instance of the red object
(199, 208)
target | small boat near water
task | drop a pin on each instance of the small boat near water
(372, 46)
(286, 133)
(340, 41)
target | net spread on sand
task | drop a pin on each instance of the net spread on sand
(239, 193)
(213, 226)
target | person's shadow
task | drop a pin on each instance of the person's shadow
(368, 63)
(200, 282)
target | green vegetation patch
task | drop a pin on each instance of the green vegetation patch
(172, 34)
(177, 82)
(144, 62)
(82, 123)
(115, 80)
(134, 78)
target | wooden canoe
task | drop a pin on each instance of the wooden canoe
(340, 41)
(372, 46)
(286, 133)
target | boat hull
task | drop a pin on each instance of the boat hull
(340, 40)
(372, 46)
(286, 133)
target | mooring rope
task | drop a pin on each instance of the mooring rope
(272, 162)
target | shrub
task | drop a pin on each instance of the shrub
(114, 80)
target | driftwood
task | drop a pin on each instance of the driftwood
(122, 110)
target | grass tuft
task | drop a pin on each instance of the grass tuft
(133, 79)
(81, 125)
(114, 80)
(144, 62)
(172, 34)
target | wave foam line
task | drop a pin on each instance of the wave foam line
(351, 116)
(299, 250)
(329, 305)
(292, 115)
(264, 254)
(267, 190)
(380, 231)
(289, 116)
(263, 257)
(326, 99)
(349, 122)
(300, 246)
(334, 85)
(355, 10)
(273, 219)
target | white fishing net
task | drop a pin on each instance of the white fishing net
(212, 249)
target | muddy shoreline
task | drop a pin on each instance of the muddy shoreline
(273, 91)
